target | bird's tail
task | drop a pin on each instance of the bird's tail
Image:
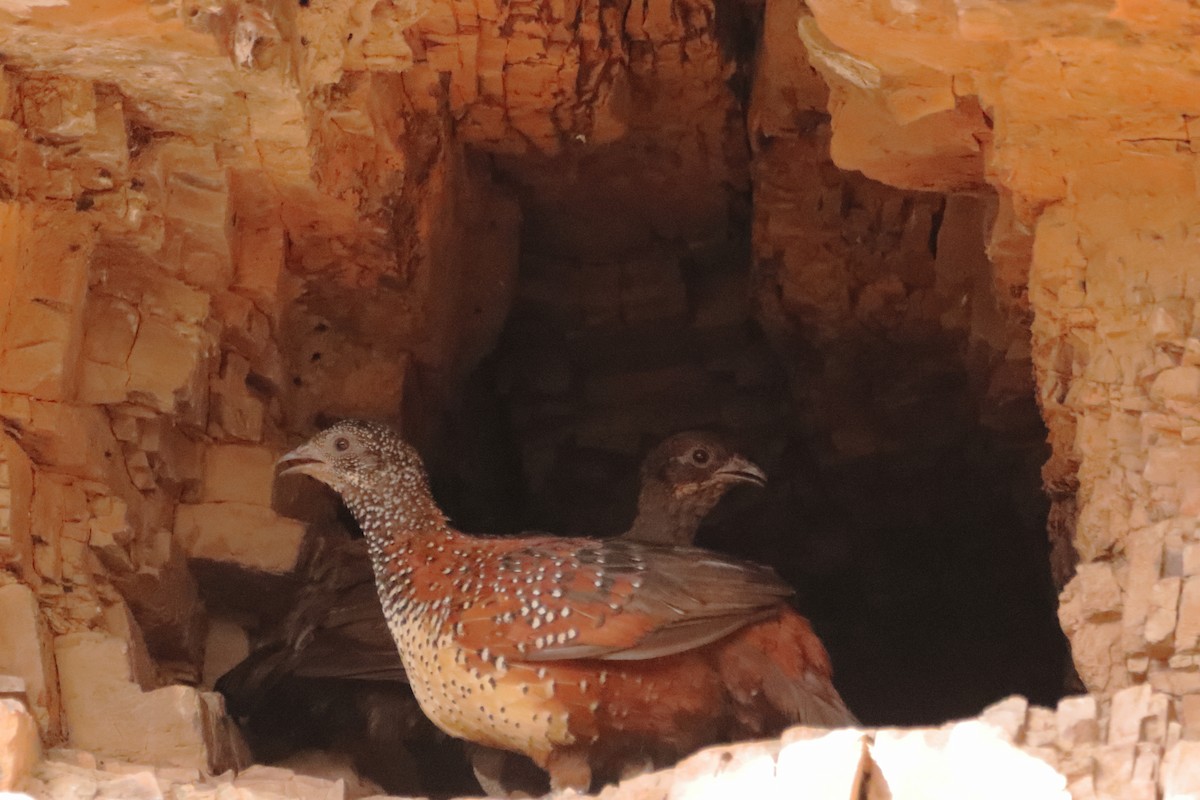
(778, 674)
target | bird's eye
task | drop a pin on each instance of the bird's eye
(700, 456)
(341, 444)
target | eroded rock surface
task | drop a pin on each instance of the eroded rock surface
(223, 223)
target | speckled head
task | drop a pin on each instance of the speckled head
(359, 459)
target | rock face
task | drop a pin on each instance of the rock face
(1087, 139)
(893, 245)
(1085, 750)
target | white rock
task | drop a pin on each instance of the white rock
(965, 759)
(1179, 776)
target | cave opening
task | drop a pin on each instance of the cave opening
(685, 255)
(846, 334)
(905, 501)
(932, 267)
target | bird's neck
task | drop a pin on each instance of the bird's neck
(664, 518)
(397, 517)
(406, 533)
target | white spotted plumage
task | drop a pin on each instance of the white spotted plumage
(543, 644)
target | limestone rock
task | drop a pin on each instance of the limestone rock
(1180, 776)
(965, 758)
(251, 536)
(1077, 721)
(20, 747)
(226, 646)
(829, 765)
(16, 490)
(222, 223)
(238, 473)
(25, 652)
(106, 711)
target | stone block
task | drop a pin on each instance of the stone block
(16, 494)
(238, 473)
(1008, 717)
(1041, 733)
(118, 620)
(1190, 716)
(20, 747)
(57, 107)
(1164, 604)
(161, 362)
(44, 255)
(259, 251)
(77, 440)
(109, 714)
(1095, 589)
(250, 536)
(720, 771)
(111, 328)
(822, 763)
(1187, 630)
(165, 601)
(965, 759)
(1077, 720)
(1191, 560)
(236, 412)
(1179, 777)
(1137, 714)
(25, 653)
(76, 775)
(58, 503)
(227, 645)
(1145, 553)
(1178, 389)
(262, 782)
(110, 532)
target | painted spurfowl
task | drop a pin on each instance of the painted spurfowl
(329, 676)
(584, 655)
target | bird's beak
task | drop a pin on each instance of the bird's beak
(304, 460)
(742, 470)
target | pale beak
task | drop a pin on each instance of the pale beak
(304, 460)
(741, 470)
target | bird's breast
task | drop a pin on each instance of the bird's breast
(471, 697)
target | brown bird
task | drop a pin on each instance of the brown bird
(584, 655)
(681, 480)
(329, 674)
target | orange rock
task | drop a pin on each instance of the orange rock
(108, 713)
(25, 652)
(251, 536)
(20, 748)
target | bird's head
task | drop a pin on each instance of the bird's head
(359, 459)
(697, 467)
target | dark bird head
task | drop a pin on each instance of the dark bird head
(682, 479)
(695, 460)
(379, 475)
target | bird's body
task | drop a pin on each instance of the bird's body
(542, 646)
(582, 654)
(329, 674)
(336, 629)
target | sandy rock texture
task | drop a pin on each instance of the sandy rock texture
(1084, 750)
(224, 223)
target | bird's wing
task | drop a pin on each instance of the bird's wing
(557, 599)
(336, 628)
(346, 635)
